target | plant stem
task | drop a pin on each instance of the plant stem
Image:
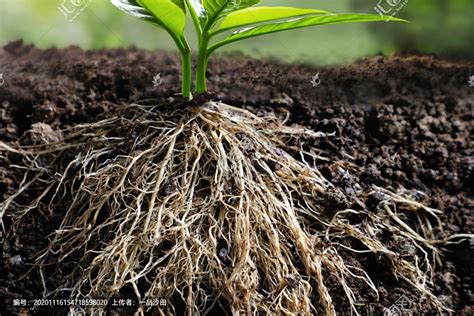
(186, 66)
(203, 58)
(186, 79)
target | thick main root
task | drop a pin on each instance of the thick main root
(208, 203)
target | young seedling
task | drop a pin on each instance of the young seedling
(213, 17)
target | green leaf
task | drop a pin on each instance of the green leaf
(167, 14)
(300, 23)
(217, 9)
(170, 13)
(214, 7)
(132, 8)
(251, 16)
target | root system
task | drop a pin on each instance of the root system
(211, 205)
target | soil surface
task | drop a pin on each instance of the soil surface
(401, 121)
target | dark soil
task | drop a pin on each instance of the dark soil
(404, 121)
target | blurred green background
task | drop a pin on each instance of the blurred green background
(437, 26)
